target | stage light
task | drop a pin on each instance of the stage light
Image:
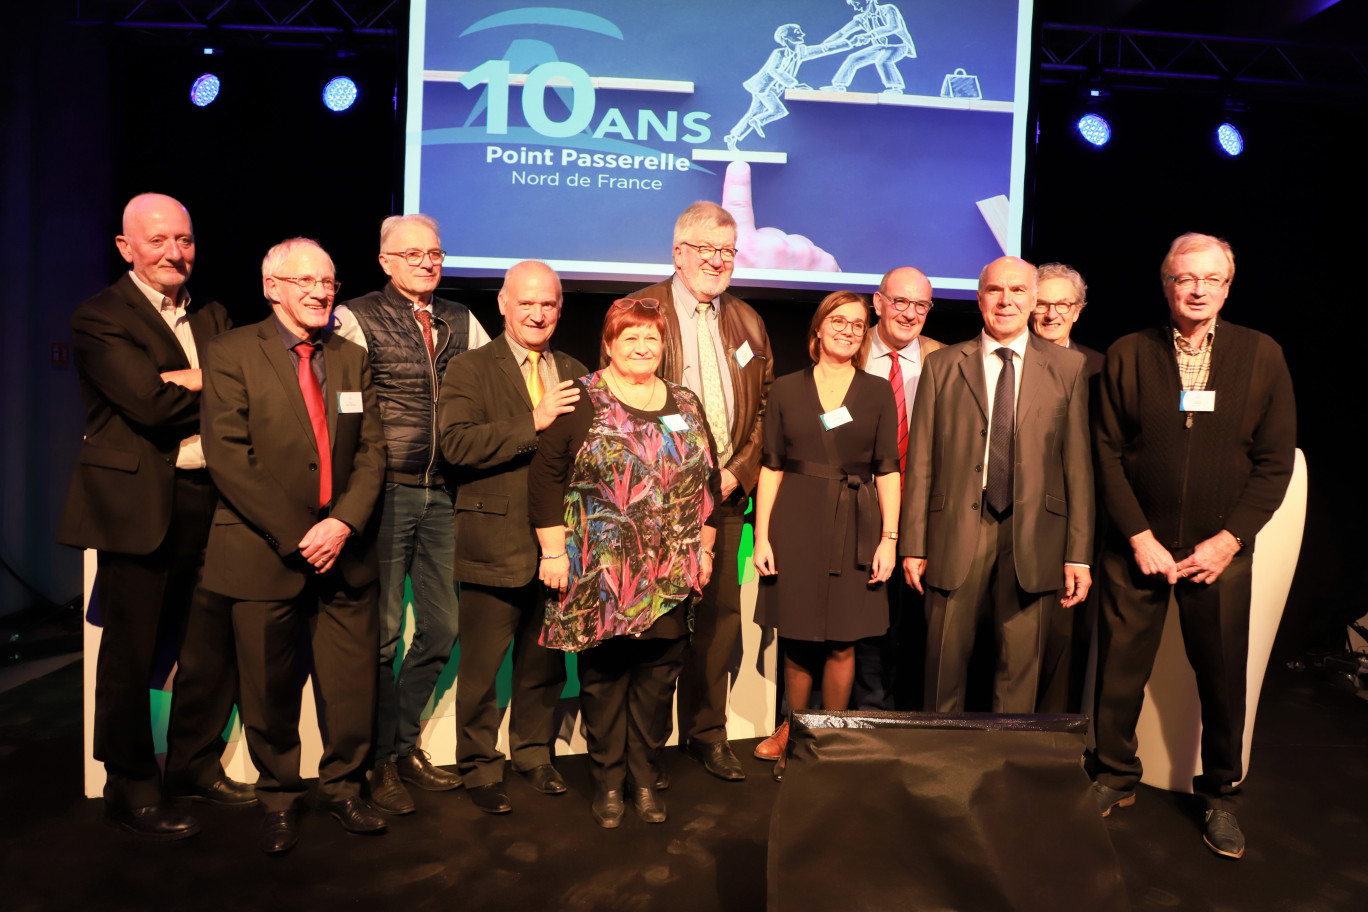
(205, 89)
(339, 94)
(1095, 129)
(1232, 143)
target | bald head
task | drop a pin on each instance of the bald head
(1006, 297)
(530, 301)
(902, 293)
(158, 241)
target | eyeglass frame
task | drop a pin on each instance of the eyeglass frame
(727, 253)
(649, 303)
(1191, 281)
(841, 327)
(437, 256)
(307, 283)
(921, 308)
(1059, 307)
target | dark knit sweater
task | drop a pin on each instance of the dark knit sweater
(1188, 479)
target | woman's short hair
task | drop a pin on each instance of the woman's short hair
(829, 303)
(627, 313)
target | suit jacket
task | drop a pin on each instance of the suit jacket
(121, 490)
(1094, 358)
(484, 417)
(1052, 518)
(263, 456)
(738, 324)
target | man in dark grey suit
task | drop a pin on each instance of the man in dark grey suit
(997, 515)
(494, 401)
(140, 495)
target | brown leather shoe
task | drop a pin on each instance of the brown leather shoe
(772, 748)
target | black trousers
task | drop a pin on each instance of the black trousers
(1019, 620)
(144, 601)
(342, 629)
(492, 618)
(890, 669)
(625, 690)
(1215, 622)
(713, 655)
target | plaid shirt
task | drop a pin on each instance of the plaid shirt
(1194, 365)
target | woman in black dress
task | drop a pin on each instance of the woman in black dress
(826, 506)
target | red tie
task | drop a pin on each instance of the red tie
(318, 417)
(425, 322)
(900, 397)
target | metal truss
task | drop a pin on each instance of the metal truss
(339, 24)
(1128, 58)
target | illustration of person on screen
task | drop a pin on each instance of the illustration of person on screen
(767, 87)
(880, 36)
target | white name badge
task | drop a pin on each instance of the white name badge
(836, 417)
(744, 354)
(1197, 401)
(349, 402)
(674, 422)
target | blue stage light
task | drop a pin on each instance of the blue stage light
(339, 94)
(205, 89)
(1094, 129)
(1230, 139)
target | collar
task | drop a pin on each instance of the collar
(878, 348)
(159, 300)
(399, 299)
(682, 293)
(1017, 345)
(290, 340)
(520, 353)
(1181, 343)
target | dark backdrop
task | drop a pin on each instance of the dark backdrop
(94, 117)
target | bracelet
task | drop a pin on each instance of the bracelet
(707, 552)
(552, 556)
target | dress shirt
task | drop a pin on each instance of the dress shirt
(1194, 364)
(191, 452)
(290, 340)
(880, 362)
(992, 368)
(686, 309)
(546, 367)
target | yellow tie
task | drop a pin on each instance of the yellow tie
(534, 383)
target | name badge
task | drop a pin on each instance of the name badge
(744, 354)
(1197, 401)
(349, 402)
(836, 417)
(674, 422)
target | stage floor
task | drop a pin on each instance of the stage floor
(1305, 814)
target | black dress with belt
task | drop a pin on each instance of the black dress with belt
(826, 521)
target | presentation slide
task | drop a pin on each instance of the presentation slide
(846, 136)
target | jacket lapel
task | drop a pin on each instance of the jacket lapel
(144, 311)
(333, 370)
(1032, 377)
(279, 359)
(971, 366)
(508, 365)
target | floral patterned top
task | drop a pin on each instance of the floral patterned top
(635, 499)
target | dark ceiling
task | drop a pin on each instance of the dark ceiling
(1340, 22)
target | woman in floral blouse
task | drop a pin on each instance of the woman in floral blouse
(622, 492)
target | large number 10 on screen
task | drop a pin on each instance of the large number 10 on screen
(495, 73)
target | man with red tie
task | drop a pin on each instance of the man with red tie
(896, 350)
(293, 439)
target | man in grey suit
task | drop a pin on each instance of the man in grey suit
(494, 401)
(997, 514)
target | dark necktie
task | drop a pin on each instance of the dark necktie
(425, 324)
(1001, 458)
(318, 417)
(895, 377)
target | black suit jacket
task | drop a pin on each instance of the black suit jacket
(1052, 519)
(484, 414)
(121, 490)
(263, 456)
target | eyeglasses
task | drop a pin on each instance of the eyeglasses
(901, 304)
(307, 283)
(708, 251)
(629, 303)
(1189, 281)
(415, 257)
(1060, 307)
(841, 324)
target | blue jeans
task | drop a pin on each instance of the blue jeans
(417, 540)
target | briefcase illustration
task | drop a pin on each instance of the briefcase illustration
(960, 84)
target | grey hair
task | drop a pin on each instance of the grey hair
(392, 224)
(1186, 243)
(702, 212)
(277, 255)
(1061, 271)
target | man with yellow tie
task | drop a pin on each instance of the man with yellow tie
(494, 402)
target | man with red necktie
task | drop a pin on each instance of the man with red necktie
(293, 439)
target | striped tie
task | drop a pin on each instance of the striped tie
(895, 377)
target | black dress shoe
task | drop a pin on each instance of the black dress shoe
(414, 767)
(648, 807)
(357, 815)
(279, 832)
(545, 779)
(223, 791)
(607, 808)
(662, 779)
(777, 772)
(492, 799)
(153, 821)
(717, 758)
(386, 791)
